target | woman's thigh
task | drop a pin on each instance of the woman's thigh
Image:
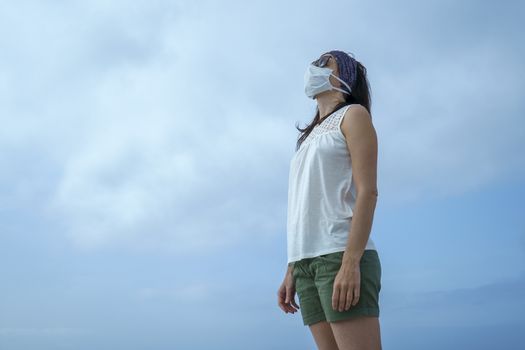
(358, 333)
(323, 336)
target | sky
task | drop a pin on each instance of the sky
(144, 156)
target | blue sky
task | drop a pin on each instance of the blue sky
(145, 149)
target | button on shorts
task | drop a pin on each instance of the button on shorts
(314, 279)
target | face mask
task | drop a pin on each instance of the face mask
(317, 80)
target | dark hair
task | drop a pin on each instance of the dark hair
(360, 94)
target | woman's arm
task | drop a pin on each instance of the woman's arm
(361, 139)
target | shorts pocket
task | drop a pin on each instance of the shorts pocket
(332, 258)
(331, 263)
(299, 269)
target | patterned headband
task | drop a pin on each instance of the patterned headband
(347, 67)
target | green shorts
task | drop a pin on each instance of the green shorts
(314, 279)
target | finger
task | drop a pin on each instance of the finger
(290, 308)
(335, 297)
(286, 303)
(286, 308)
(356, 294)
(285, 295)
(348, 299)
(295, 304)
(280, 301)
(288, 295)
(339, 299)
(342, 298)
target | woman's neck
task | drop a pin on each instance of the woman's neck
(327, 103)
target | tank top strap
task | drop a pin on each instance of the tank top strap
(333, 121)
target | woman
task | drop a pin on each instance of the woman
(333, 264)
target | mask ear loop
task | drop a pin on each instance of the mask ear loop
(335, 88)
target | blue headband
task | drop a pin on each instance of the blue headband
(347, 67)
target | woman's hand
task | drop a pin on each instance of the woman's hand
(347, 287)
(286, 293)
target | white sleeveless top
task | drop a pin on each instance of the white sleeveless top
(321, 193)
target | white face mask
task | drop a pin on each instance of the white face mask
(317, 80)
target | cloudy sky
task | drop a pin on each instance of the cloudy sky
(144, 156)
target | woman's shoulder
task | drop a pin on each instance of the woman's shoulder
(356, 108)
(356, 119)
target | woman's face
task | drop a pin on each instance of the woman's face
(332, 64)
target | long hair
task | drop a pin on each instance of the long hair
(360, 94)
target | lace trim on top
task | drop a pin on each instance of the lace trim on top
(329, 124)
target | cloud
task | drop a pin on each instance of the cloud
(159, 125)
(141, 157)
